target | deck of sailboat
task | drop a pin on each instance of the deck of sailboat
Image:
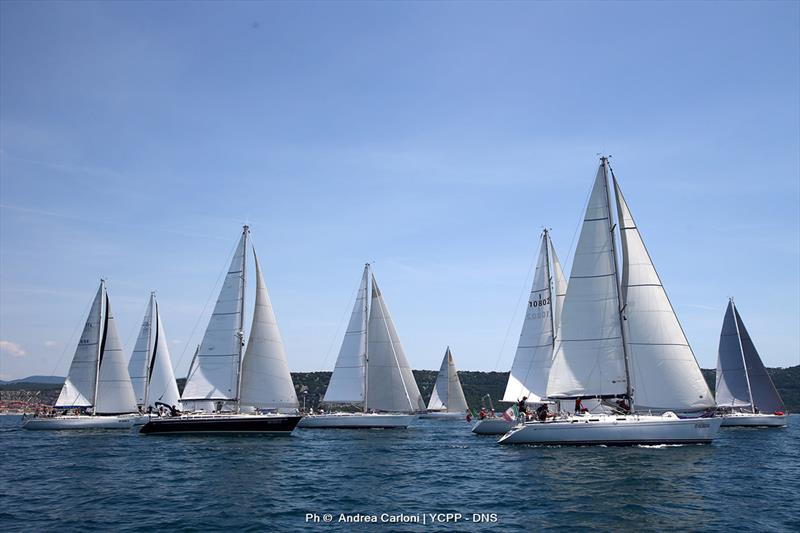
(222, 423)
(71, 422)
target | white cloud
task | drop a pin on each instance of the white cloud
(12, 349)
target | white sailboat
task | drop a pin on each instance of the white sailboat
(531, 367)
(98, 380)
(746, 395)
(235, 379)
(620, 340)
(372, 370)
(150, 366)
(447, 399)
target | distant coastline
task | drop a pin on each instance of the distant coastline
(310, 386)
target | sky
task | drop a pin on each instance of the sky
(435, 140)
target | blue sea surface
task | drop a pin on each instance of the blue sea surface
(748, 479)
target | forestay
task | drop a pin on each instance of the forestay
(447, 393)
(391, 384)
(215, 373)
(664, 372)
(347, 381)
(266, 381)
(589, 358)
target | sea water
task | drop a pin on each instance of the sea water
(433, 476)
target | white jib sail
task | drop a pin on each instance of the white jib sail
(215, 374)
(266, 380)
(589, 358)
(559, 285)
(391, 384)
(161, 378)
(531, 367)
(79, 387)
(347, 381)
(139, 365)
(114, 390)
(447, 393)
(664, 372)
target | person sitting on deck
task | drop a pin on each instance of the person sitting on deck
(623, 405)
(522, 409)
(579, 408)
(482, 413)
(542, 412)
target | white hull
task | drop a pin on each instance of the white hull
(493, 426)
(615, 430)
(444, 415)
(754, 420)
(80, 422)
(356, 420)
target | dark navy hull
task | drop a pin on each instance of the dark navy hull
(222, 424)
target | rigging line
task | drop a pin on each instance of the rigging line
(525, 286)
(341, 322)
(575, 232)
(69, 343)
(203, 311)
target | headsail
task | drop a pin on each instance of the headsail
(266, 381)
(531, 367)
(737, 362)
(347, 381)
(160, 376)
(447, 393)
(114, 390)
(79, 387)
(215, 375)
(139, 365)
(589, 358)
(664, 371)
(391, 384)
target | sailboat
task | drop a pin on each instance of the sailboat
(447, 399)
(371, 370)
(150, 366)
(235, 379)
(620, 341)
(746, 395)
(98, 382)
(531, 367)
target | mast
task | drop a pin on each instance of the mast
(366, 339)
(103, 302)
(240, 334)
(744, 361)
(149, 365)
(621, 307)
(550, 285)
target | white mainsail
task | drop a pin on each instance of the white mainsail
(664, 372)
(589, 356)
(390, 382)
(347, 382)
(139, 364)
(266, 381)
(742, 379)
(114, 390)
(531, 367)
(215, 375)
(161, 385)
(447, 393)
(80, 385)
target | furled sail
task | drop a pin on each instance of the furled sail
(79, 387)
(347, 381)
(215, 374)
(114, 390)
(139, 365)
(447, 393)
(391, 384)
(160, 376)
(531, 367)
(664, 372)
(266, 381)
(589, 358)
(737, 362)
